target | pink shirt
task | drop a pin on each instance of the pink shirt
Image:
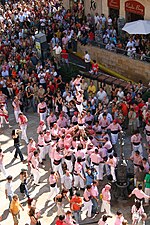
(86, 195)
(139, 193)
(107, 145)
(79, 98)
(61, 143)
(103, 122)
(41, 141)
(114, 127)
(54, 131)
(97, 128)
(77, 167)
(119, 220)
(94, 191)
(102, 222)
(57, 156)
(136, 159)
(103, 152)
(16, 105)
(74, 119)
(53, 149)
(112, 162)
(80, 153)
(41, 128)
(31, 147)
(47, 138)
(106, 195)
(42, 106)
(51, 119)
(81, 120)
(136, 138)
(89, 118)
(95, 158)
(62, 122)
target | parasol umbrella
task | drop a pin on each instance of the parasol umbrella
(137, 27)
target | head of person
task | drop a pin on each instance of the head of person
(32, 211)
(137, 153)
(95, 183)
(140, 186)
(31, 139)
(138, 204)
(107, 187)
(15, 197)
(68, 213)
(36, 153)
(77, 194)
(88, 187)
(67, 173)
(9, 178)
(79, 159)
(64, 192)
(104, 218)
(58, 149)
(119, 213)
(61, 217)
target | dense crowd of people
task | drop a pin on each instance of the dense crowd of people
(79, 123)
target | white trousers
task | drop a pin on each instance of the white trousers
(138, 148)
(41, 154)
(43, 116)
(36, 175)
(112, 171)
(58, 168)
(53, 192)
(105, 207)
(78, 181)
(79, 108)
(147, 192)
(2, 168)
(16, 113)
(46, 149)
(114, 138)
(88, 207)
(2, 119)
(23, 128)
(69, 165)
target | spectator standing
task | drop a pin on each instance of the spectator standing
(87, 60)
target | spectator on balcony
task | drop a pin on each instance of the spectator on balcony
(110, 46)
(106, 38)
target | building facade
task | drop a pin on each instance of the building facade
(130, 10)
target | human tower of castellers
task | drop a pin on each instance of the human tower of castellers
(81, 151)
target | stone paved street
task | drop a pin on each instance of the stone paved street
(48, 212)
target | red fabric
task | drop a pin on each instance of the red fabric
(64, 54)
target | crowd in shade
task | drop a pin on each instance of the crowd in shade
(79, 122)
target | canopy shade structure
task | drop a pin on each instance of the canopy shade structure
(137, 27)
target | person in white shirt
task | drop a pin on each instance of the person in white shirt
(120, 94)
(109, 21)
(58, 51)
(101, 94)
(2, 167)
(96, 18)
(67, 182)
(35, 167)
(87, 60)
(9, 189)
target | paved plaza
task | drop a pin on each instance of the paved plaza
(48, 209)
